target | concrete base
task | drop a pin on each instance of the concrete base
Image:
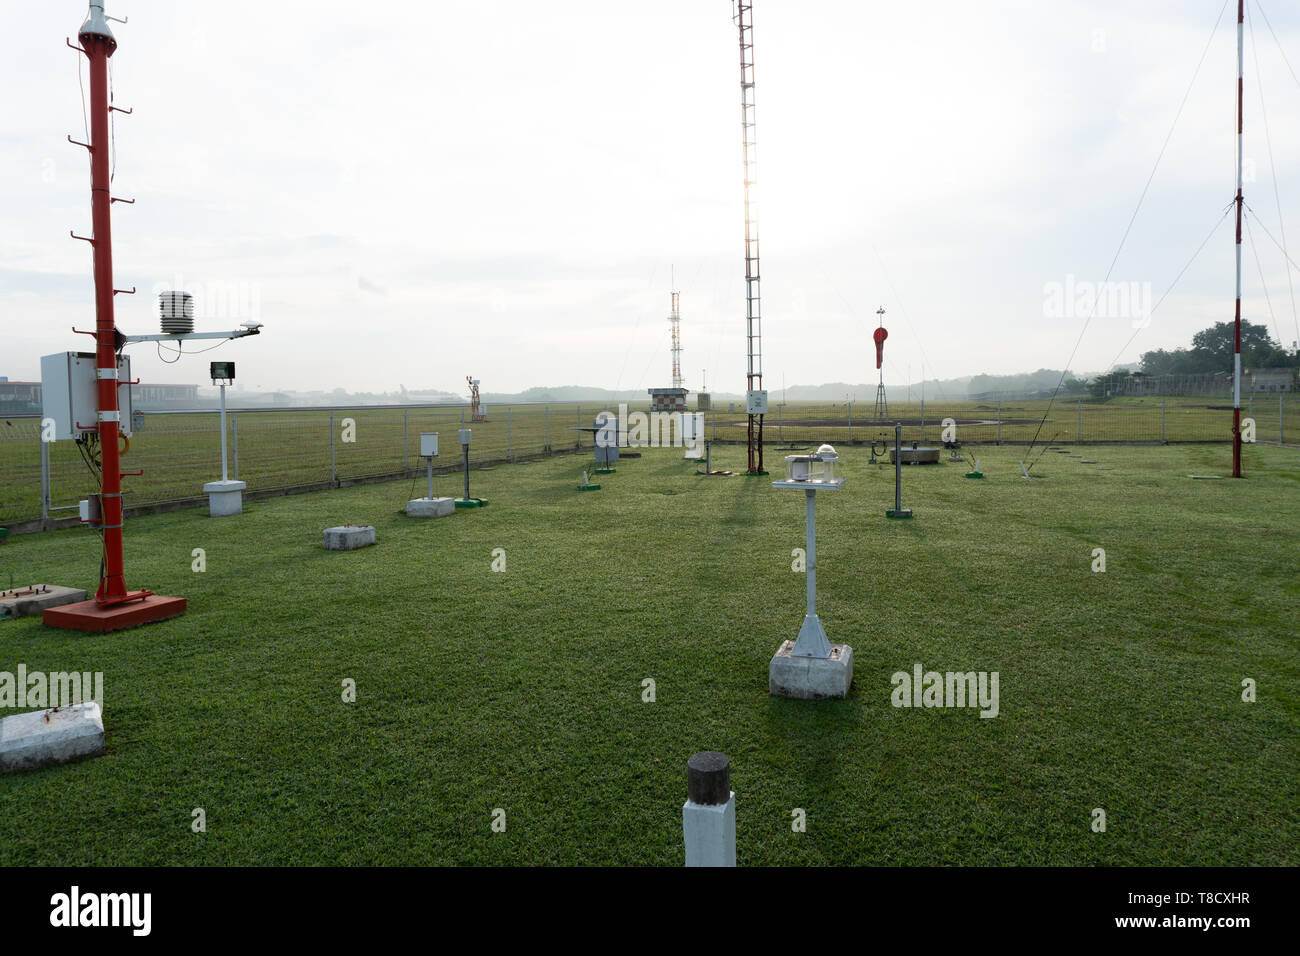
(93, 617)
(470, 502)
(905, 513)
(430, 507)
(811, 678)
(31, 601)
(348, 538)
(710, 833)
(225, 497)
(918, 456)
(43, 737)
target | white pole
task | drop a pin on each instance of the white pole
(810, 525)
(223, 431)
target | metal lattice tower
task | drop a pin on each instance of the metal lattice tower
(882, 405)
(675, 318)
(753, 312)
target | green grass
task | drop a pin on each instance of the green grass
(522, 690)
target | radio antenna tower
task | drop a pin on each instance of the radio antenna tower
(675, 319)
(1236, 347)
(755, 398)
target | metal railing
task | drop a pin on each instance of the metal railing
(285, 449)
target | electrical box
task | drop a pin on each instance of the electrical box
(70, 394)
(464, 436)
(756, 401)
(703, 402)
(428, 444)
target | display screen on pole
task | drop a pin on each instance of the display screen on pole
(222, 371)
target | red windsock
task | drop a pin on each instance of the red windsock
(880, 335)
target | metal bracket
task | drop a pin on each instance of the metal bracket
(86, 428)
(93, 335)
(82, 238)
(136, 382)
(77, 48)
(130, 291)
(113, 199)
(119, 109)
(75, 142)
(130, 474)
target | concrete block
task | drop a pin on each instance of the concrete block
(430, 507)
(225, 497)
(348, 537)
(710, 833)
(31, 601)
(917, 456)
(811, 678)
(42, 737)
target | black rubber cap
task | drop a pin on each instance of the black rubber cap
(708, 778)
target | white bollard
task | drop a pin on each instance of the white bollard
(709, 813)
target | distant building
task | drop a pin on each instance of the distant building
(667, 399)
(1269, 379)
(165, 396)
(20, 398)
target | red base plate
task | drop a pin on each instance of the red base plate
(90, 616)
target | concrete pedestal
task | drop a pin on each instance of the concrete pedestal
(225, 497)
(710, 832)
(430, 507)
(348, 537)
(811, 678)
(31, 601)
(29, 741)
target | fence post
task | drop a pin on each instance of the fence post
(849, 406)
(579, 434)
(1078, 427)
(1162, 420)
(234, 440)
(999, 421)
(45, 475)
(709, 813)
(1281, 433)
(333, 469)
(508, 435)
(406, 454)
(922, 415)
(547, 447)
(778, 422)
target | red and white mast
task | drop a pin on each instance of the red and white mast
(113, 606)
(1236, 342)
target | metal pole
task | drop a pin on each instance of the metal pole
(898, 468)
(1236, 346)
(923, 403)
(1162, 421)
(45, 475)
(333, 469)
(849, 406)
(778, 423)
(999, 421)
(1281, 433)
(224, 475)
(508, 434)
(430, 477)
(810, 533)
(466, 450)
(547, 447)
(406, 448)
(98, 44)
(1078, 427)
(234, 440)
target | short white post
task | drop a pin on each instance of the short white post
(224, 475)
(709, 813)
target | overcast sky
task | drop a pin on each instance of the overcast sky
(406, 193)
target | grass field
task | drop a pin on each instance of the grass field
(276, 449)
(522, 690)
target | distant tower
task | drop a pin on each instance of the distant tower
(882, 405)
(675, 318)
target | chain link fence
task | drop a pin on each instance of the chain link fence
(283, 449)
